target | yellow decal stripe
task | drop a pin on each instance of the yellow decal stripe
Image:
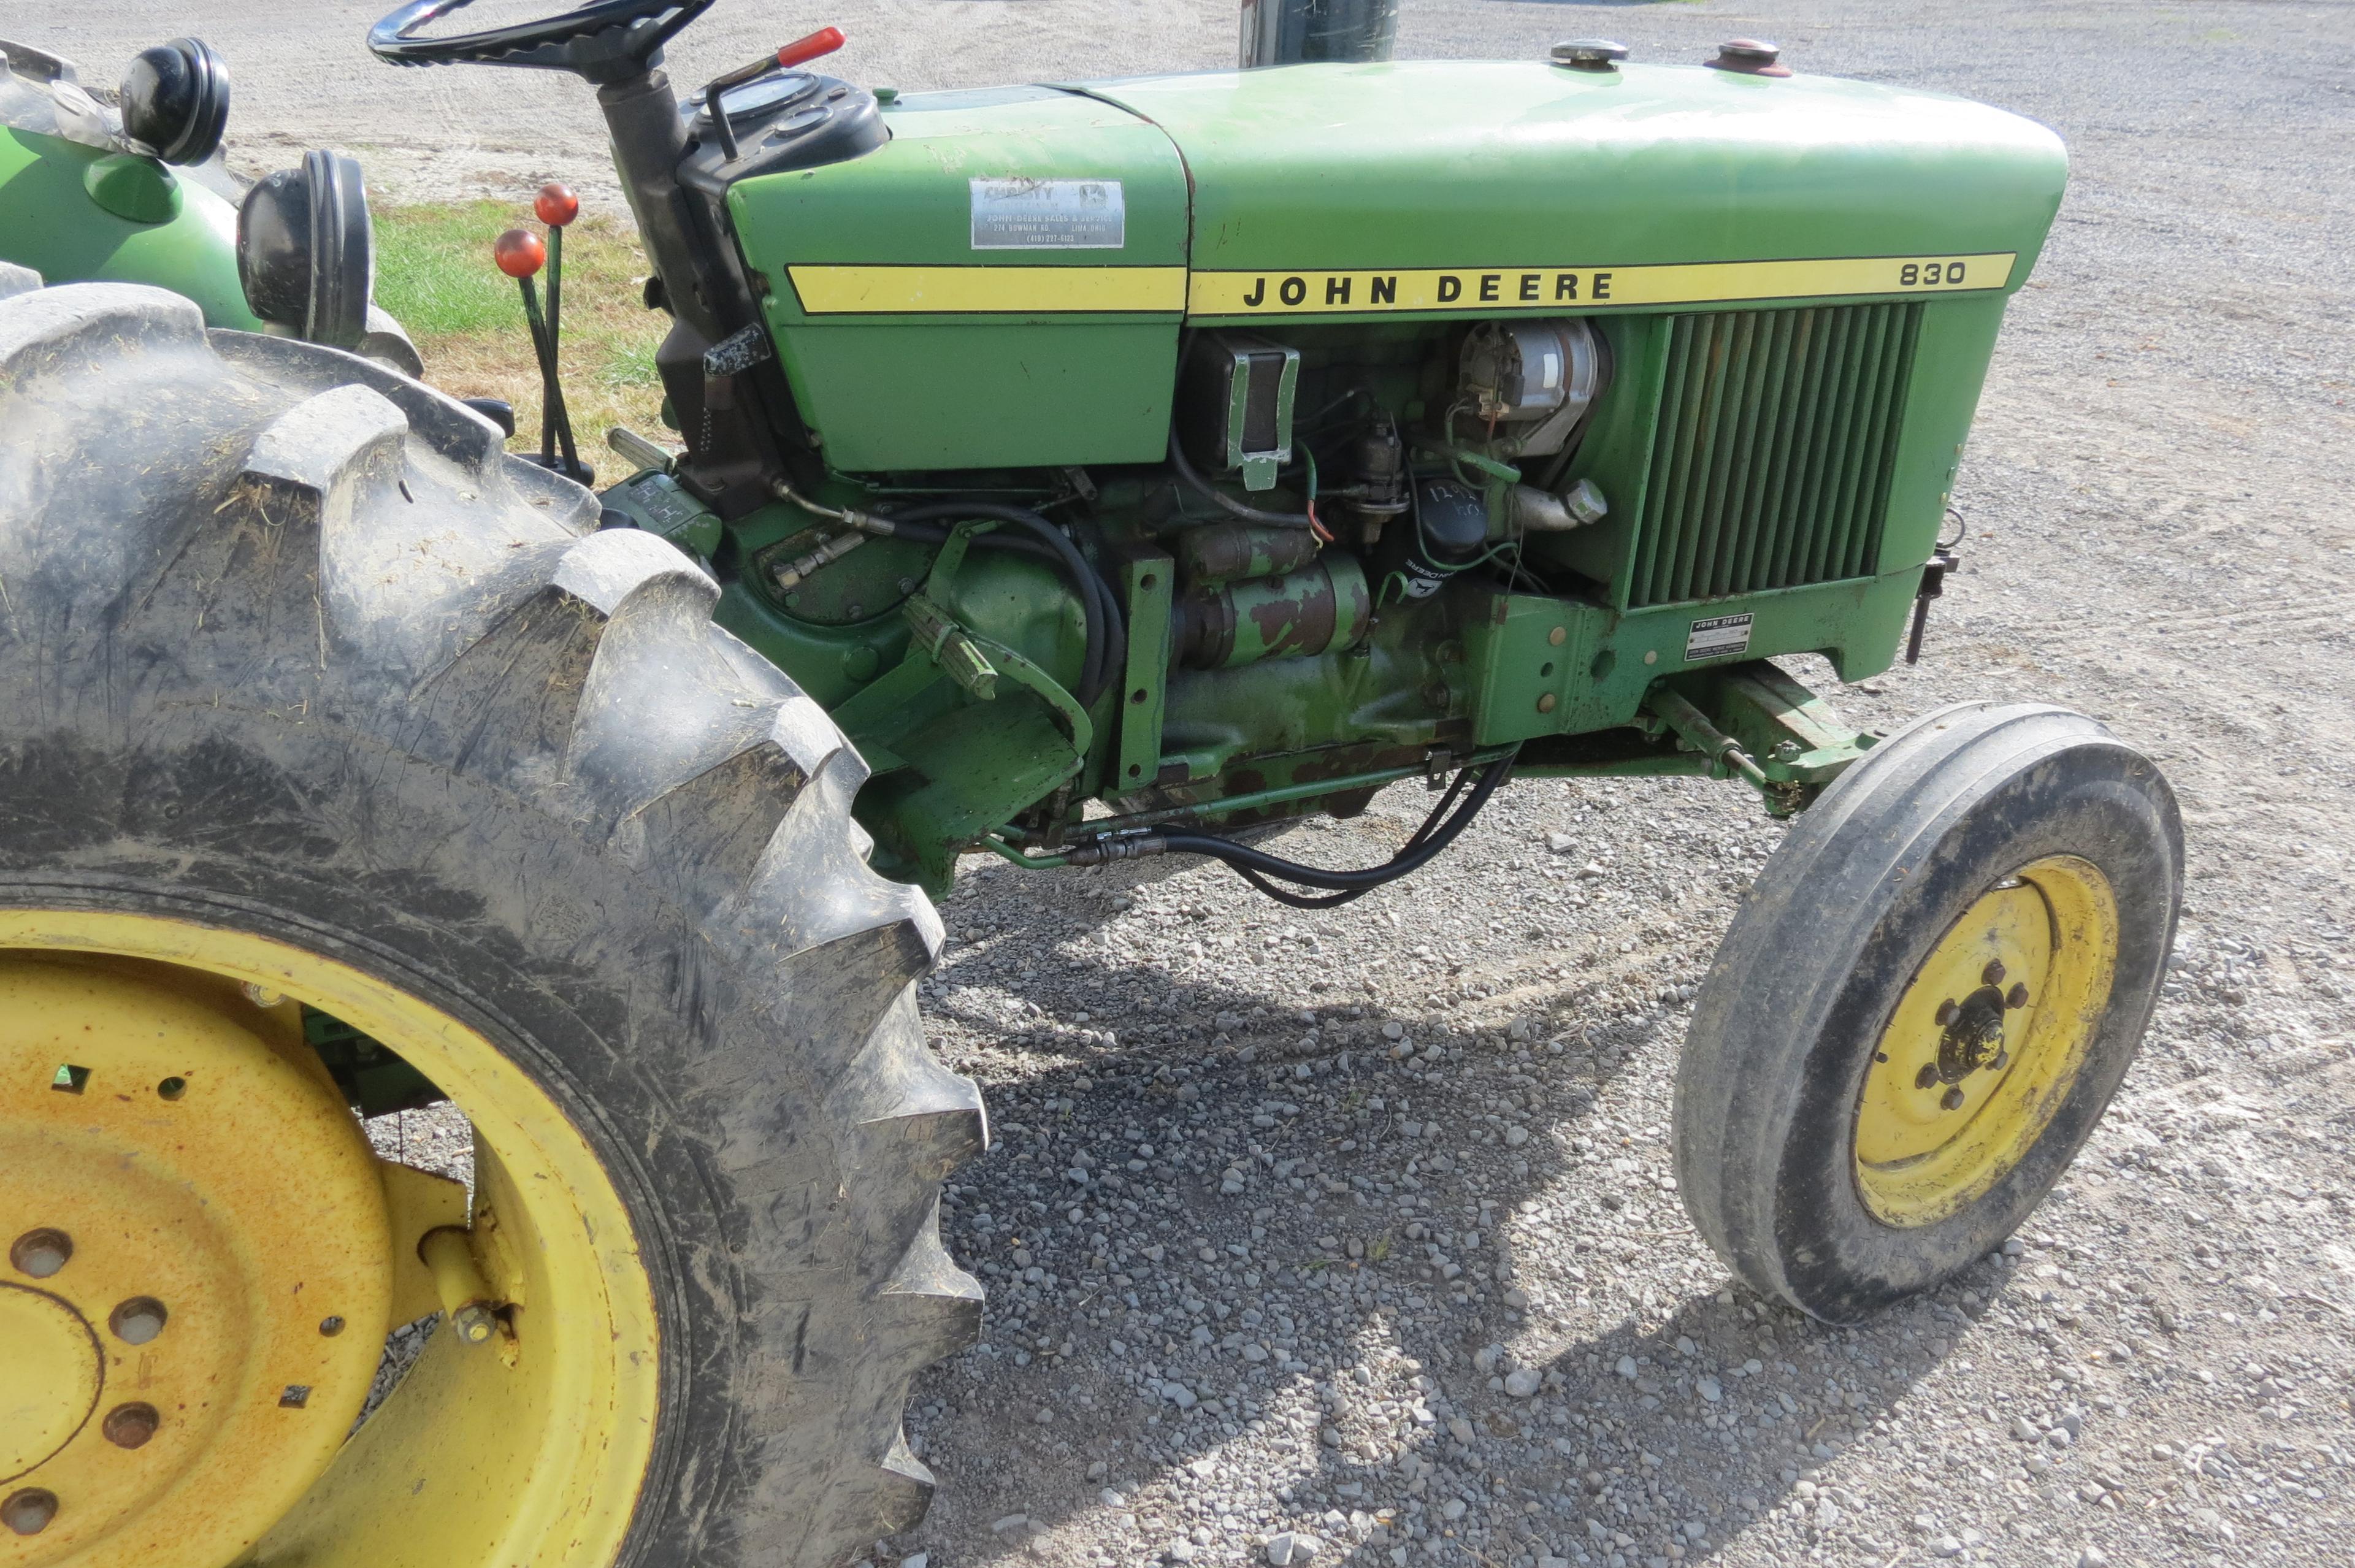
(987, 291)
(1494, 289)
(1056, 291)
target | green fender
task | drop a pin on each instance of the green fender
(52, 219)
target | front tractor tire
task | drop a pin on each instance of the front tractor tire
(313, 702)
(1925, 1003)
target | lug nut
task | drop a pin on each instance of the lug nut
(40, 1253)
(1952, 1100)
(130, 1425)
(1928, 1076)
(1993, 973)
(473, 1323)
(1947, 1010)
(29, 1510)
(2018, 996)
(138, 1320)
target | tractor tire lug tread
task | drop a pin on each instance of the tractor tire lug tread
(258, 557)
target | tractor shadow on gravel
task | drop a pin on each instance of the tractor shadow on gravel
(1632, 1324)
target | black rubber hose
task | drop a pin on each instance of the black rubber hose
(1430, 824)
(1432, 837)
(1093, 674)
(1107, 631)
(1249, 514)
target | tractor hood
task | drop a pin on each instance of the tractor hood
(1003, 283)
(1472, 165)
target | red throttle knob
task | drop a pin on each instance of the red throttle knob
(556, 205)
(800, 51)
(519, 252)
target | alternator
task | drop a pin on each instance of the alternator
(1529, 383)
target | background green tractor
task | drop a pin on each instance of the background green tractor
(1075, 472)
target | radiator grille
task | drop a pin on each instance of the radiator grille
(1776, 436)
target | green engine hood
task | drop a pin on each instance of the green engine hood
(920, 332)
(1468, 166)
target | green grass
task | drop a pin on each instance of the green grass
(434, 272)
(433, 269)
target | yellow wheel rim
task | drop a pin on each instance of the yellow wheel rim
(1986, 1043)
(204, 1256)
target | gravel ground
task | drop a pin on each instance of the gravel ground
(1351, 1237)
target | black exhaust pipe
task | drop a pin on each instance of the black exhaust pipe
(1289, 32)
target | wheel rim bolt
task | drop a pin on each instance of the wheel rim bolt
(138, 1320)
(1928, 1076)
(29, 1510)
(1947, 1010)
(1993, 974)
(1952, 1100)
(41, 1252)
(2017, 997)
(130, 1425)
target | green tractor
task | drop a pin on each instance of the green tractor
(1072, 472)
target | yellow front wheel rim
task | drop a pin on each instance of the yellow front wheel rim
(1985, 1042)
(271, 1254)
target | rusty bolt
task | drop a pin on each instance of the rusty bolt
(1993, 973)
(1546, 703)
(28, 1511)
(1947, 1010)
(2018, 996)
(41, 1253)
(331, 1326)
(1928, 1076)
(138, 1319)
(1559, 636)
(130, 1425)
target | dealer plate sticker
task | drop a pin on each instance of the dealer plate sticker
(1717, 637)
(1049, 215)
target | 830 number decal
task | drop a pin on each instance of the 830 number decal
(1929, 275)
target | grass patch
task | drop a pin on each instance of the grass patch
(434, 272)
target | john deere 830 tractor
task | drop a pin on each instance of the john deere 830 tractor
(1070, 473)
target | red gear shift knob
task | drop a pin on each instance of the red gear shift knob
(556, 205)
(519, 252)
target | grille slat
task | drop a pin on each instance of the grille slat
(1774, 450)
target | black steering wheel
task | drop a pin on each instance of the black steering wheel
(606, 41)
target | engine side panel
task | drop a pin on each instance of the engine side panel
(1000, 286)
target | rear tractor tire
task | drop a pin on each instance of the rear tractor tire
(315, 705)
(1925, 1003)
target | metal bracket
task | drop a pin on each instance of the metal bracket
(1146, 682)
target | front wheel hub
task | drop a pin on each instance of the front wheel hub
(187, 1203)
(1985, 1042)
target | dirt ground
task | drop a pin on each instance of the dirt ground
(1353, 1232)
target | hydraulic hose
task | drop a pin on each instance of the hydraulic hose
(1447, 821)
(1107, 631)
